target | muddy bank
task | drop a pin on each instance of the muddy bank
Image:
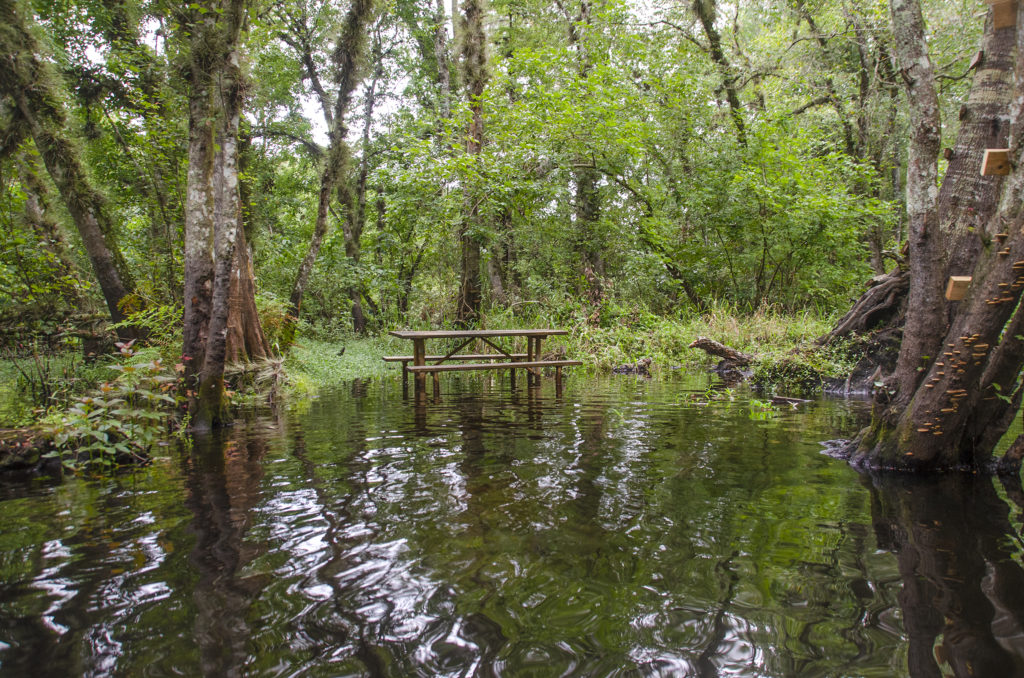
(23, 454)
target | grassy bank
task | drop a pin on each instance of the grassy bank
(782, 342)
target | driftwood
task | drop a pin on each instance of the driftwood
(792, 402)
(712, 347)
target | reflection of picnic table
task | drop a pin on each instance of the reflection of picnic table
(499, 359)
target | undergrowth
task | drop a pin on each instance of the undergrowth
(313, 364)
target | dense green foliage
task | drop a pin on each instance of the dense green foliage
(636, 164)
(118, 422)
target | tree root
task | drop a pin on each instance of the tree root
(884, 302)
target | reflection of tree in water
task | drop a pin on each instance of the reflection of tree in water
(223, 475)
(343, 627)
(475, 629)
(963, 592)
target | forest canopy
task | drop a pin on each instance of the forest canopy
(664, 153)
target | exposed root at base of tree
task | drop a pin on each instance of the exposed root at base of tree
(883, 305)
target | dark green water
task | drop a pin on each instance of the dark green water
(617, 529)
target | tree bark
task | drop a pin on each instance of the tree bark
(707, 13)
(33, 86)
(922, 329)
(586, 176)
(37, 213)
(212, 207)
(957, 382)
(474, 63)
(444, 77)
(245, 338)
(354, 202)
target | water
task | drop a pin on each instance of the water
(622, 528)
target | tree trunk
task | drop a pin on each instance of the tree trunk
(212, 202)
(586, 177)
(474, 62)
(354, 206)
(347, 56)
(922, 329)
(246, 340)
(33, 86)
(707, 13)
(967, 200)
(444, 78)
(957, 383)
(37, 213)
(588, 242)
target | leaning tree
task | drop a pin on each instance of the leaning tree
(30, 89)
(956, 386)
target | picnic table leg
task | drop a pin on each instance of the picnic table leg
(419, 358)
(537, 356)
(405, 376)
(437, 384)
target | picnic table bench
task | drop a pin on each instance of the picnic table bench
(454, 361)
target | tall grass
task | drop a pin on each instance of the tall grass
(603, 338)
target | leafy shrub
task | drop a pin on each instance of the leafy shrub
(274, 319)
(119, 422)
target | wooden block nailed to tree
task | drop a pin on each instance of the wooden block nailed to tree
(956, 288)
(1004, 13)
(996, 161)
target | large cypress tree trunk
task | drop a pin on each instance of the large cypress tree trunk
(347, 57)
(212, 200)
(966, 201)
(246, 340)
(34, 87)
(957, 384)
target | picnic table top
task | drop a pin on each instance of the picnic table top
(470, 334)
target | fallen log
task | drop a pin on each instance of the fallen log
(712, 347)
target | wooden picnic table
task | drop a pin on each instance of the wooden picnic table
(454, 361)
